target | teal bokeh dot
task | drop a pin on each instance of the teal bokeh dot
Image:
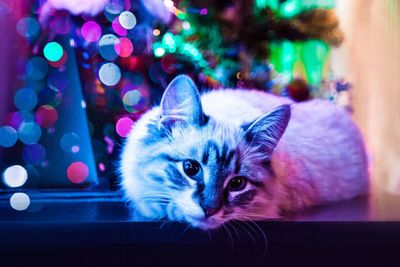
(53, 51)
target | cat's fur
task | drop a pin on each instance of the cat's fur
(294, 155)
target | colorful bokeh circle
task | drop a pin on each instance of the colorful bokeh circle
(124, 126)
(46, 116)
(91, 31)
(70, 142)
(124, 47)
(15, 176)
(107, 46)
(127, 20)
(53, 51)
(77, 172)
(109, 74)
(20, 201)
(25, 99)
(29, 132)
(8, 136)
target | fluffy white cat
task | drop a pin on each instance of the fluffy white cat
(235, 154)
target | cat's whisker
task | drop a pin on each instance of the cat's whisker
(229, 235)
(230, 224)
(165, 221)
(186, 228)
(209, 235)
(244, 228)
(263, 235)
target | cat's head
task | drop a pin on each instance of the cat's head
(202, 171)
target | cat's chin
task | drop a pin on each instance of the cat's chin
(204, 224)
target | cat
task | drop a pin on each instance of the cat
(236, 154)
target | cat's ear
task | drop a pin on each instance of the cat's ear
(266, 131)
(181, 104)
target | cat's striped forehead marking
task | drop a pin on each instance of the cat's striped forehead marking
(220, 155)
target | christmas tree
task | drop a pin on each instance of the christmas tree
(127, 52)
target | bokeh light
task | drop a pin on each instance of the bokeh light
(53, 51)
(107, 46)
(127, 20)
(46, 116)
(124, 126)
(91, 31)
(37, 68)
(61, 62)
(124, 47)
(132, 101)
(25, 99)
(77, 172)
(15, 176)
(131, 98)
(20, 201)
(156, 32)
(28, 27)
(158, 49)
(14, 119)
(8, 136)
(109, 74)
(29, 132)
(34, 154)
(112, 9)
(118, 29)
(70, 142)
(102, 167)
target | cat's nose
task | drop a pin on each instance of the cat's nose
(208, 212)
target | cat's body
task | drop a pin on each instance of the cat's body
(319, 157)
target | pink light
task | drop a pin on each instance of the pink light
(204, 11)
(77, 172)
(59, 63)
(75, 149)
(118, 29)
(124, 126)
(91, 31)
(124, 47)
(110, 144)
(46, 116)
(102, 167)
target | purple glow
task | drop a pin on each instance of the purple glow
(124, 126)
(118, 29)
(91, 31)
(204, 11)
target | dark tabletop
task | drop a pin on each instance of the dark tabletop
(96, 227)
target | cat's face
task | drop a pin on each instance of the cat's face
(203, 172)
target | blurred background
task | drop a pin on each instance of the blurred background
(76, 75)
(370, 58)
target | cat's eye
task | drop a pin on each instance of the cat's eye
(191, 167)
(237, 183)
